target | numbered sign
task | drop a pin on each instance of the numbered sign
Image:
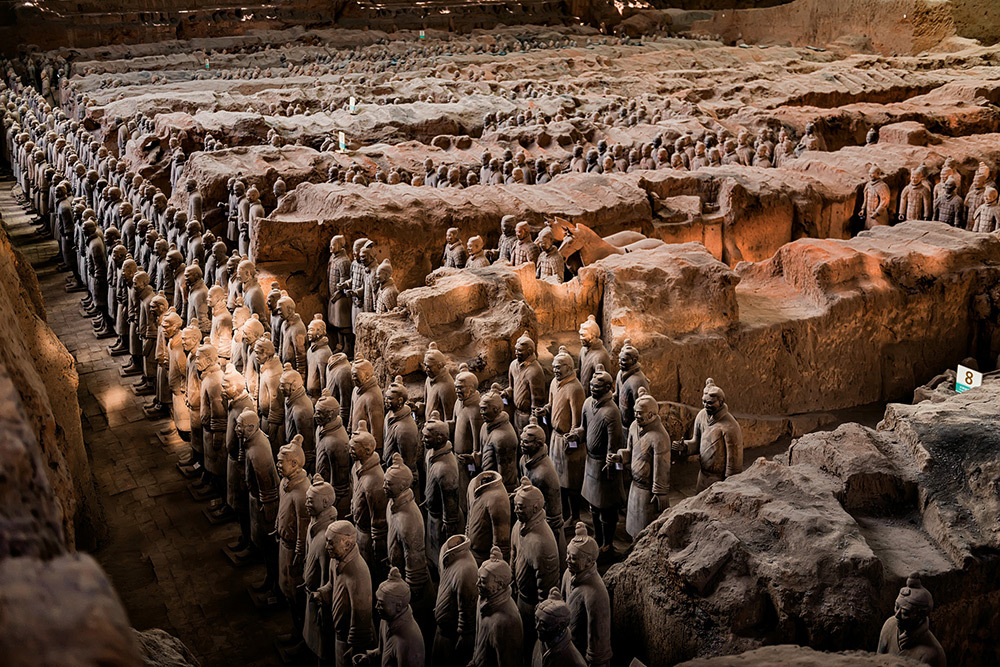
(207, 66)
(423, 35)
(343, 141)
(354, 105)
(967, 379)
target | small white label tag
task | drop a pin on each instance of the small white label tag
(967, 379)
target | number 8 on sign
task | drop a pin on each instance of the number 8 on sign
(967, 379)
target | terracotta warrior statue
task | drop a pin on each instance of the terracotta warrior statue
(907, 632)
(124, 287)
(263, 488)
(170, 328)
(455, 254)
(255, 211)
(239, 317)
(177, 355)
(293, 335)
(148, 322)
(348, 594)
(467, 423)
(369, 264)
(216, 272)
(601, 431)
(526, 390)
(194, 466)
(400, 643)
(488, 520)
(234, 288)
(499, 635)
(949, 207)
(316, 630)
(386, 299)
(508, 239)
(550, 264)
(717, 437)
(317, 356)
(333, 450)
(915, 199)
(555, 646)
(976, 194)
(198, 309)
(648, 456)
(587, 599)
(406, 540)
(368, 502)
(253, 295)
(441, 491)
(564, 413)
(339, 308)
(213, 422)
(237, 400)
(339, 383)
(497, 440)
(524, 250)
(592, 352)
(439, 387)
(273, 295)
(367, 402)
(221, 333)
(455, 609)
(292, 530)
(537, 467)
(534, 555)
(875, 207)
(810, 140)
(270, 400)
(401, 434)
(987, 216)
(477, 253)
(356, 287)
(629, 381)
(280, 190)
(298, 414)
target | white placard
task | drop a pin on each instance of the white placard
(967, 379)
(353, 105)
(423, 35)
(342, 140)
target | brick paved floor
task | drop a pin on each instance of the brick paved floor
(162, 554)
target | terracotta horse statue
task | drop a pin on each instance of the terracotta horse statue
(580, 245)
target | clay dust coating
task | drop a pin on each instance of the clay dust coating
(464, 346)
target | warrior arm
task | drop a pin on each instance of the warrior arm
(661, 470)
(501, 535)
(219, 415)
(734, 451)
(276, 411)
(450, 512)
(546, 574)
(302, 531)
(536, 385)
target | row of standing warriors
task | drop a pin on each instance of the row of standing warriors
(978, 211)
(448, 515)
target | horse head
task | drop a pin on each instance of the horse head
(565, 234)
